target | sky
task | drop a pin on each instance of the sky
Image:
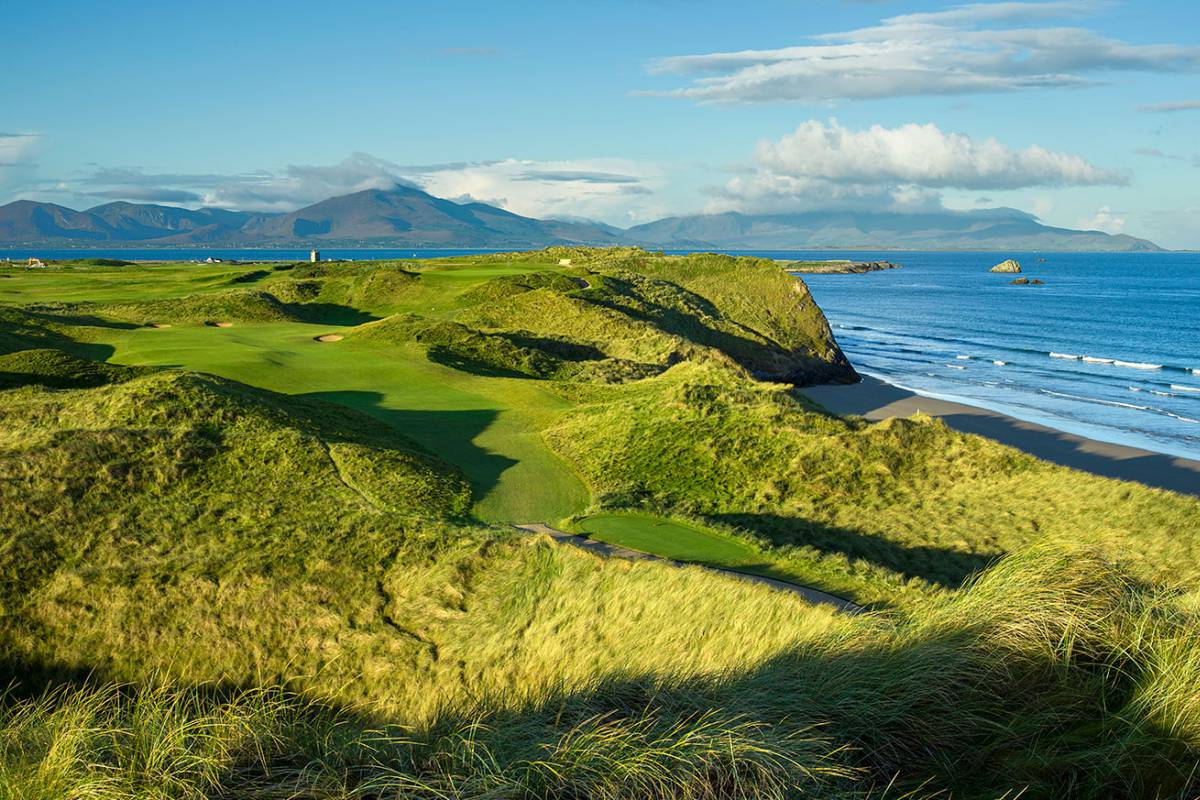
(1085, 113)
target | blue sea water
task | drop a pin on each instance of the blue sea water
(1108, 348)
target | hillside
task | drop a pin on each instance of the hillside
(985, 229)
(404, 216)
(289, 541)
(401, 216)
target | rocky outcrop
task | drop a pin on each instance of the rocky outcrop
(838, 267)
(1009, 265)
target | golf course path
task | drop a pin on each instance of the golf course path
(606, 550)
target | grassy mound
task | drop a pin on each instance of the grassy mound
(59, 370)
(179, 465)
(1052, 677)
(510, 354)
(908, 497)
(233, 305)
(361, 286)
(662, 309)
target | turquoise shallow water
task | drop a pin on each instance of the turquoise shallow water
(1108, 348)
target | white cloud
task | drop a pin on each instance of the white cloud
(954, 51)
(922, 155)
(1105, 220)
(16, 157)
(829, 166)
(598, 188)
(1179, 105)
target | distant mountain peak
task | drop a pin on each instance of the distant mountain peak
(406, 215)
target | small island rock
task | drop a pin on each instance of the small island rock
(1010, 265)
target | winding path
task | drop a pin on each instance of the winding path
(606, 550)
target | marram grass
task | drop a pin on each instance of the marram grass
(1054, 675)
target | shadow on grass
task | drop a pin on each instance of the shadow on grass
(328, 314)
(766, 360)
(940, 565)
(85, 320)
(959, 709)
(450, 435)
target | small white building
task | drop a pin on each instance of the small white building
(314, 256)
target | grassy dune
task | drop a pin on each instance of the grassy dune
(239, 561)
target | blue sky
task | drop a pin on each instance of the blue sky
(1084, 112)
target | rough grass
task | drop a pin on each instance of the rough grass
(1053, 676)
(906, 496)
(297, 607)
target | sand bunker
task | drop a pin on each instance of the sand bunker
(329, 337)
(160, 324)
(219, 324)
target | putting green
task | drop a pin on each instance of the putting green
(681, 541)
(669, 539)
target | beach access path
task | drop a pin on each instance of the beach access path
(605, 550)
(877, 400)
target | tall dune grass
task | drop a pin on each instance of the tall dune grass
(1054, 675)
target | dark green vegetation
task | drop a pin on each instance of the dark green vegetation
(239, 561)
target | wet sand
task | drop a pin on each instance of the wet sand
(876, 400)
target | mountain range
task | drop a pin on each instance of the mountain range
(408, 217)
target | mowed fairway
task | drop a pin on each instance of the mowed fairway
(487, 426)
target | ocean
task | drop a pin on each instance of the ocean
(1108, 348)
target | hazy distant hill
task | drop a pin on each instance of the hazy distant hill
(399, 216)
(411, 216)
(406, 216)
(986, 229)
(27, 221)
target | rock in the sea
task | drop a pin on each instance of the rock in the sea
(1036, 282)
(1010, 265)
(1020, 282)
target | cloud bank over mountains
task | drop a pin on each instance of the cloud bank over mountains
(896, 169)
(969, 49)
(592, 188)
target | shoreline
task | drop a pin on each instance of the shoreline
(877, 400)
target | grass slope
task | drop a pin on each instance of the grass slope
(287, 550)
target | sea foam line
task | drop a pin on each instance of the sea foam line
(1179, 388)
(1096, 400)
(1115, 362)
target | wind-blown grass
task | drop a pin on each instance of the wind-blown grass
(1046, 678)
(281, 593)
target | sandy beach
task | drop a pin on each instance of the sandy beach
(877, 400)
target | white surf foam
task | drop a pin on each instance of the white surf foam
(1115, 403)
(1179, 388)
(1000, 363)
(1136, 364)
(1065, 355)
